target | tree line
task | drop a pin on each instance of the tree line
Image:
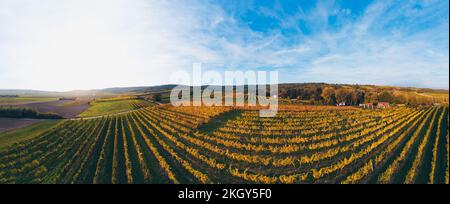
(333, 94)
(326, 94)
(9, 96)
(17, 112)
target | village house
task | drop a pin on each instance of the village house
(367, 105)
(383, 105)
(375, 105)
(341, 104)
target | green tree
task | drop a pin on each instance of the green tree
(386, 96)
(157, 97)
(344, 95)
(329, 95)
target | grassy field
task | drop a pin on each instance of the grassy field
(23, 100)
(74, 103)
(109, 107)
(22, 134)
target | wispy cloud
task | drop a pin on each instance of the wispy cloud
(61, 45)
(373, 51)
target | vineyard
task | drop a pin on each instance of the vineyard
(164, 144)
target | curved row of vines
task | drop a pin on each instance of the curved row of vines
(163, 144)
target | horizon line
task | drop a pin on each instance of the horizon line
(146, 86)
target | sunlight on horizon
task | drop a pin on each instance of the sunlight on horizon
(71, 45)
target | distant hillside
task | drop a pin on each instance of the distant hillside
(142, 89)
(22, 92)
(313, 93)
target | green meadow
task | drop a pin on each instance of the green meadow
(18, 135)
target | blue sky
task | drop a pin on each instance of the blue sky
(84, 44)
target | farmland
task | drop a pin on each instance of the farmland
(111, 106)
(7, 101)
(165, 144)
(17, 135)
(12, 123)
(65, 108)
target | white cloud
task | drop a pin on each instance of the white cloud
(361, 53)
(81, 44)
(91, 44)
